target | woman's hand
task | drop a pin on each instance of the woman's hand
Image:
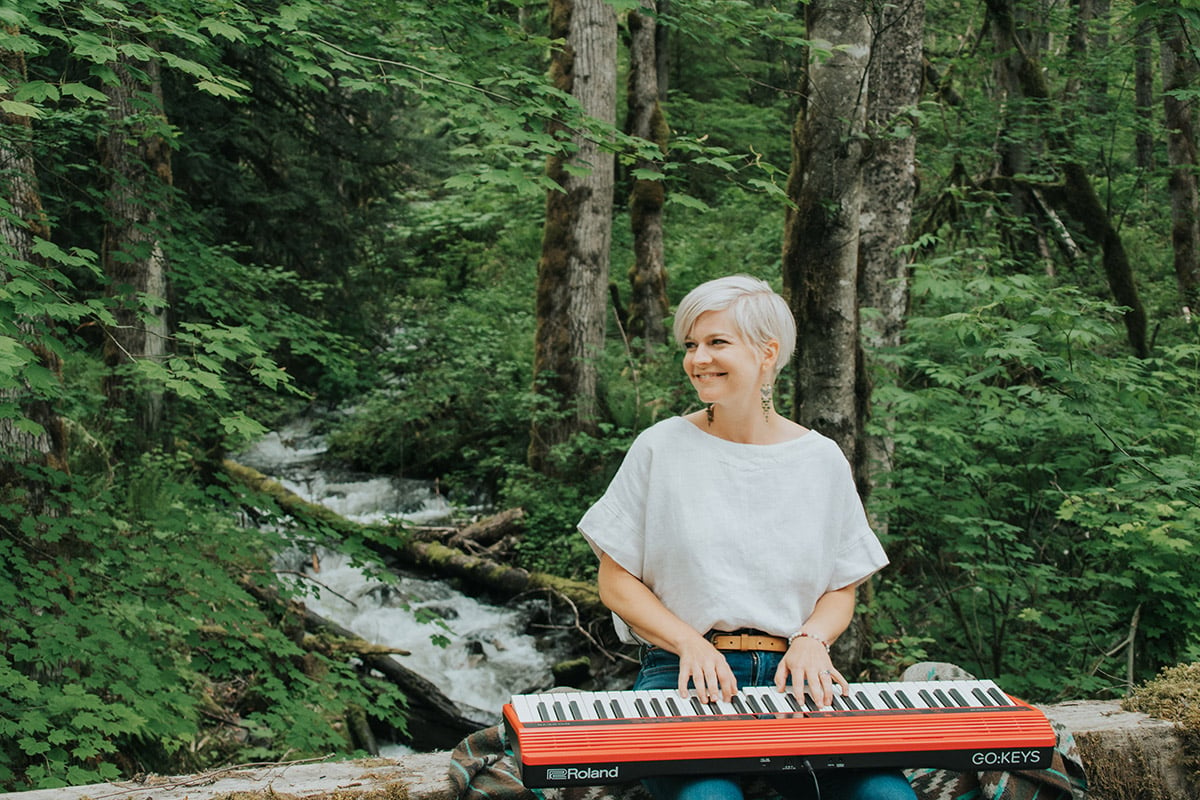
(705, 667)
(808, 664)
(700, 663)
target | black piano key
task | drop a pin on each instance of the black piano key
(618, 710)
(673, 707)
(770, 704)
(656, 707)
(791, 701)
(903, 698)
(737, 704)
(697, 705)
(600, 712)
(999, 696)
(543, 712)
(982, 697)
(958, 698)
(640, 707)
(943, 698)
(864, 701)
(573, 708)
(928, 698)
(753, 705)
(559, 714)
(888, 700)
(847, 702)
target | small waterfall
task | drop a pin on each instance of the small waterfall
(477, 654)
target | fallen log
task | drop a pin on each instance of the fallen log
(477, 574)
(489, 530)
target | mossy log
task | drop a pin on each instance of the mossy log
(478, 573)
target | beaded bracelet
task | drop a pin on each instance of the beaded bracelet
(804, 635)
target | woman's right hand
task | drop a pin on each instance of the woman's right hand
(700, 664)
(705, 667)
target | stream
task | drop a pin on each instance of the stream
(477, 654)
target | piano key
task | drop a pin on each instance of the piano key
(559, 706)
(769, 703)
(997, 695)
(577, 706)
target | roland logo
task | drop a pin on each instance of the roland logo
(1005, 758)
(583, 773)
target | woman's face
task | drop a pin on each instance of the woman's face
(721, 363)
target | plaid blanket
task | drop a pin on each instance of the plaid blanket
(482, 768)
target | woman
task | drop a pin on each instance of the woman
(734, 519)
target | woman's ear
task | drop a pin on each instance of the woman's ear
(770, 355)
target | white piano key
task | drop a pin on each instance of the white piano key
(521, 704)
(757, 700)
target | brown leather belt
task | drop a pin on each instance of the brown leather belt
(742, 641)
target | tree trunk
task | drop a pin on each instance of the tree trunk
(574, 267)
(889, 189)
(137, 160)
(36, 438)
(1179, 73)
(648, 304)
(662, 51)
(1143, 91)
(1076, 194)
(820, 246)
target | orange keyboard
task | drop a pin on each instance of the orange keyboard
(593, 738)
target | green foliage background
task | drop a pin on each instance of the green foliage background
(354, 232)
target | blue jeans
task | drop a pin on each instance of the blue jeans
(660, 670)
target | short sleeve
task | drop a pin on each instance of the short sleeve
(615, 523)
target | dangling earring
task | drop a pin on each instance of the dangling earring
(708, 412)
(766, 390)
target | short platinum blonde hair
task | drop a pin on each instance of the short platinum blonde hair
(758, 312)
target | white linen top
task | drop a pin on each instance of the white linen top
(732, 535)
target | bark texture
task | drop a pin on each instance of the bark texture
(137, 160)
(889, 189)
(820, 247)
(648, 304)
(1179, 71)
(574, 266)
(44, 444)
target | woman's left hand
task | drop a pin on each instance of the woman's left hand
(811, 670)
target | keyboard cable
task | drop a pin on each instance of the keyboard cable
(816, 782)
